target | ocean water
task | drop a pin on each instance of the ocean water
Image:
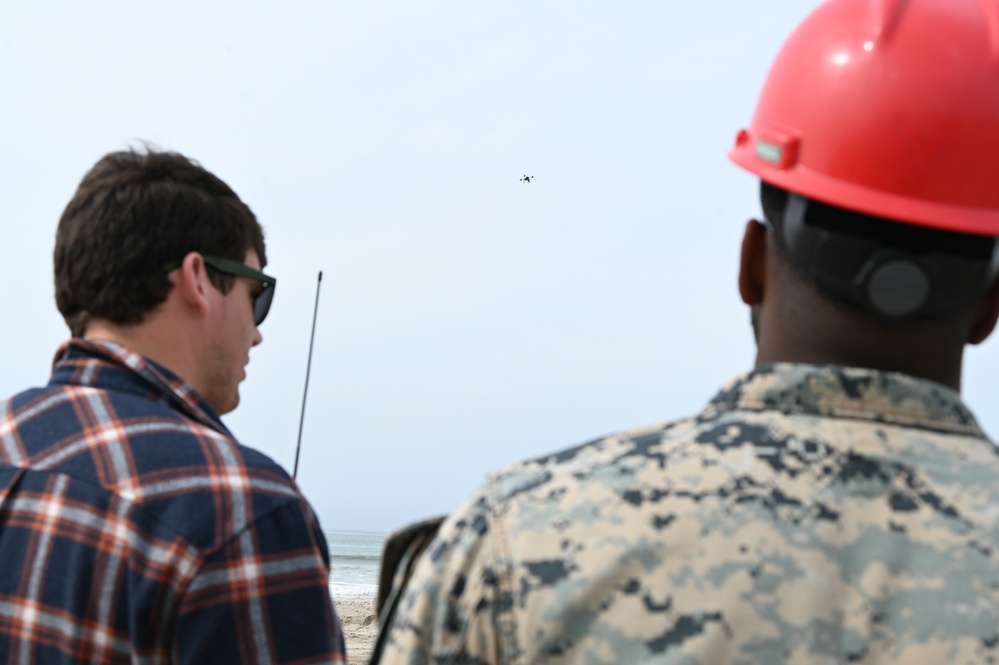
(354, 559)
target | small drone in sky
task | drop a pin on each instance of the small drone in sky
(527, 179)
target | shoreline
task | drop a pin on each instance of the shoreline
(360, 626)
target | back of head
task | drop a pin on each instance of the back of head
(134, 213)
(875, 138)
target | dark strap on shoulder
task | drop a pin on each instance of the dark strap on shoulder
(399, 556)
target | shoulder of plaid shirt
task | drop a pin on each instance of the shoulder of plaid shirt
(135, 529)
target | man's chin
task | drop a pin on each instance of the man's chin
(228, 405)
(231, 406)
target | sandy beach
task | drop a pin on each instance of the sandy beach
(360, 626)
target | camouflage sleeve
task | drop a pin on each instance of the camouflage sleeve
(458, 605)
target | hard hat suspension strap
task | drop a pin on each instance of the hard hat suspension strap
(893, 284)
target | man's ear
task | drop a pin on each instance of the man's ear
(192, 285)
(753, 263)
(985, 316)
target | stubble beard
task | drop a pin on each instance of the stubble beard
(223, 382)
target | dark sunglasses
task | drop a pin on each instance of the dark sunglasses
(263, 298)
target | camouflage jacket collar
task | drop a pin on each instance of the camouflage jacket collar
(849, 392)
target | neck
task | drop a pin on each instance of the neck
(920, 350)
(155, 342)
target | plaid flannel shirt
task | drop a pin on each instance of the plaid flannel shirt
(135, 529)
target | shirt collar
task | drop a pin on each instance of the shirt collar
(111, 366)
(849, 392)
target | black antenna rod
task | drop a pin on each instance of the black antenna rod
(308, 367)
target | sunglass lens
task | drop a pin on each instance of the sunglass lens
(262, 303)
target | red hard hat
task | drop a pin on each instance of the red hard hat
(886, 107)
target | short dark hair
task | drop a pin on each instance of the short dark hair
(134, 213)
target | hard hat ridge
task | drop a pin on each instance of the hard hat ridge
(884, 17)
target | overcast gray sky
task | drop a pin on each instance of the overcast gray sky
(467, 320)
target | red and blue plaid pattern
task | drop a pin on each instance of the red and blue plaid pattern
(135, 529)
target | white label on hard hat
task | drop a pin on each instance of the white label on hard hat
(768, 151)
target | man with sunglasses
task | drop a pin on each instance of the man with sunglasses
(133, 526)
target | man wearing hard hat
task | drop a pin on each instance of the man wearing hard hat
(837, 503)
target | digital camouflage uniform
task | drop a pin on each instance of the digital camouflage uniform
(810, 515)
